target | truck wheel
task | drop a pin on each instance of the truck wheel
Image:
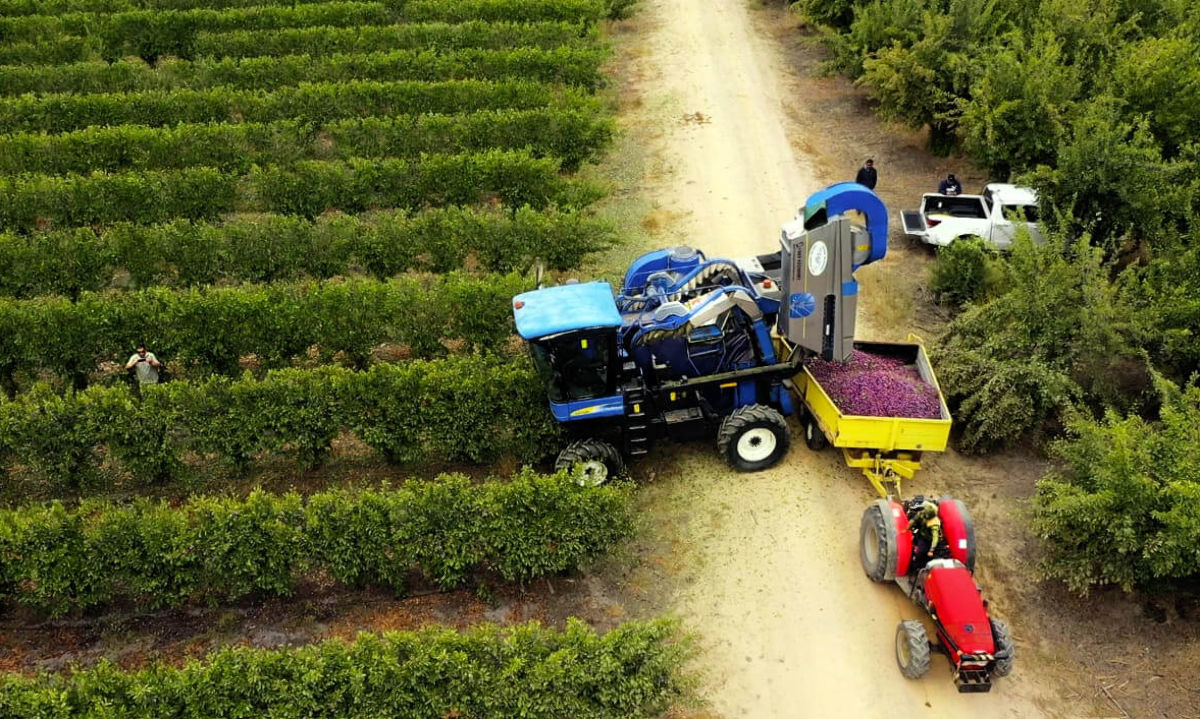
(592, 462)
(912, 649)
(813, 436)
(753, 437)
(877, 542)
(1005, 651)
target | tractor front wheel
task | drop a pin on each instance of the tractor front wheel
(1005, 651)
(912, 649)
(591, 462)
(877, 542)
(753, 437)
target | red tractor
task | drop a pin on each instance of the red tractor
(896, 540)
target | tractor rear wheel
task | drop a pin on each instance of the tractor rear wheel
(813, 436)
(877, 542)
(591, 462)
(753, 437)
(968, 528)
(1005, 651)
(912, 649)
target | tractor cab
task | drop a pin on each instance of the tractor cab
(572, 334)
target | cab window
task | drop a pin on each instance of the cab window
(1021, 213)
(575, 366)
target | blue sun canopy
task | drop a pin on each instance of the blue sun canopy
(565, 308)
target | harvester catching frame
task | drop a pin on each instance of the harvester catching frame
(693, 347)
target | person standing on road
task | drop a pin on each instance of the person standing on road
(950, 186)
(867, 176)
(145, 366)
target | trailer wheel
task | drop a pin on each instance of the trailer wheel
(877, 542)
(1005, 651)
(912, 649)
(591, 462)
(813, 436)
(753, 437)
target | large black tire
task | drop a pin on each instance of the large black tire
(970, 527)
(813, 436)
(592, 462)
(753, 437)
(1006, 652)
(912, 649)
(877, 542)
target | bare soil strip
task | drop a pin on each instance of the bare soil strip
(768, 572)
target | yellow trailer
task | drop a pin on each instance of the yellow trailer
(886, 449)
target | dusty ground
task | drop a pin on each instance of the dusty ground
(768, 574)
(1111, 655)
(764, 567)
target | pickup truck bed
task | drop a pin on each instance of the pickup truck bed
(970, 206)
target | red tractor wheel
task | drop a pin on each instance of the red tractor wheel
(912, 649)
(959, 529)
(877, 542)
(1005, 651)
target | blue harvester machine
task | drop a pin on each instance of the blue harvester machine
(693, 347)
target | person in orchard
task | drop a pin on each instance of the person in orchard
(144, 365)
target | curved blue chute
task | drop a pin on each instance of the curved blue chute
(844, 196)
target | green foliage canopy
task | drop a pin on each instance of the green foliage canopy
(632, 672)
(1123, 508)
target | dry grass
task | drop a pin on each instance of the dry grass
(888, 294)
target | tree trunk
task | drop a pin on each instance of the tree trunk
(941, 138)
(8, 383)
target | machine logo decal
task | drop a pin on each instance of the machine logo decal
(818, 257)
(801, 304)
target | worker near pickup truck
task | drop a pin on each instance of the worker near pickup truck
(867, 176)
(950, 186)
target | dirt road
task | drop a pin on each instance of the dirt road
(769, 576)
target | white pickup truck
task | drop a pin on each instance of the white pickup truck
(995, 216)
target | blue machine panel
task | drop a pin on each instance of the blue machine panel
(676, 260)
(588, 408)
(553, 310)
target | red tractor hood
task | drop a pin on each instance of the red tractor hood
(958, 607)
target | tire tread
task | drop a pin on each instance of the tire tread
(918, 649)
(587, 449)
(1005, 651)
(747, 416)
(878, 516)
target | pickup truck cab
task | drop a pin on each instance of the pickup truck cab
(995, 215)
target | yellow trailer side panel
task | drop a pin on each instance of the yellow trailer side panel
(885, 434)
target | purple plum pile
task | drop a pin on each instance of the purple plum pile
(874, 386)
